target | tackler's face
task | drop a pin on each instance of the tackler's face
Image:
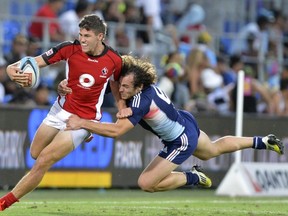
(126, 88)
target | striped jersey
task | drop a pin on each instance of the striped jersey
(155, 112)
(87, 76)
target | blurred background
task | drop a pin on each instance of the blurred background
(198, 47)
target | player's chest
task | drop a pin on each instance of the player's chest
(92, 70)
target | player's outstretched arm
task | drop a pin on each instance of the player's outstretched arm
(113, 130)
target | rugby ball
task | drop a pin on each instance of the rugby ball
(29, 65)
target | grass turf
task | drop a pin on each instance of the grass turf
(181, 202)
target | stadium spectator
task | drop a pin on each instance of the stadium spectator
(253, 37)
(191, 22)
(277, 28)
(41, 95)
(98, 8)
(69, 19)
(173, 82)
(88, 79)
(150, 16)
(23, 97)
(196, 62)
(284, 91)
(113, 12)
(18, 49)
(254, 92)
(48, 13)
(217, 95)
(34, 46)
(177, 129)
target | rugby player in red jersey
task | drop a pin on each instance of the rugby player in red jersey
(90, 66)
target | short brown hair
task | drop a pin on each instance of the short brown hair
(94, 23)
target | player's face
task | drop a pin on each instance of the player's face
(127, 89)
(90, 42)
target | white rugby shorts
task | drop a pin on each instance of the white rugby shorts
(57, 118)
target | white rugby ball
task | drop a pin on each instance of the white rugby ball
(29, 65)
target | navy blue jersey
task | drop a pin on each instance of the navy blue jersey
(155, 112)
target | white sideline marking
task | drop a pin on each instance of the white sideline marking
(195, 209)
(153, 202)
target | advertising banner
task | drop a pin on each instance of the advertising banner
(105, 162)
(255, 179)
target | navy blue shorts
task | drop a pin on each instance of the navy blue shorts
(180, 149)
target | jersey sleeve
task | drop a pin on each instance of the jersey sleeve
(140, 105)
(59, 52)
(136, 116)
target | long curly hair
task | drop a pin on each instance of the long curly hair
(144, 72)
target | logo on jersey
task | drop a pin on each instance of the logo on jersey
(92, 60)
(86, 80)
(104, 72)
(49, 52)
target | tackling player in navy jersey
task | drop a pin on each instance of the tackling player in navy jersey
(177, 129)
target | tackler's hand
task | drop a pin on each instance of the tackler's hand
(73, 123)
(124, 113)
(63, 89)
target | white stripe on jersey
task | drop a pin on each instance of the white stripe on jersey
(100, 101)
(183, 147)
(136, 100)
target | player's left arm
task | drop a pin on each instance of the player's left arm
(120, 127)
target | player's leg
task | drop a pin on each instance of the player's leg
(207, 149)
(158, 176)
(44, 135)
(60, 146)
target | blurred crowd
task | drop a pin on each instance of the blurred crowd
(193, 73)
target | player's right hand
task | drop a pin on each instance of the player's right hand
(124, 113)
(17, 75)
(63, 89)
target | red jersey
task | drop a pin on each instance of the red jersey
(87, 76)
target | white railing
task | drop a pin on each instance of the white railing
(161, 42)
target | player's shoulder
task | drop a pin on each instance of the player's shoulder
(112, 52)
(143, 97)
(75, 43)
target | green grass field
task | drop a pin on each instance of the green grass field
(181, 202)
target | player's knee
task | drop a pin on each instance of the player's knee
(34, 154)
(205, 157)
(145, 185)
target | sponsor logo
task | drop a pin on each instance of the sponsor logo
(11, 148)
(104, 72)
(86, 80)
(92, 60)
(49, 52)
(128, 154)
(272, 179)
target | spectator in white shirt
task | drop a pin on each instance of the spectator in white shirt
(69, 20)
